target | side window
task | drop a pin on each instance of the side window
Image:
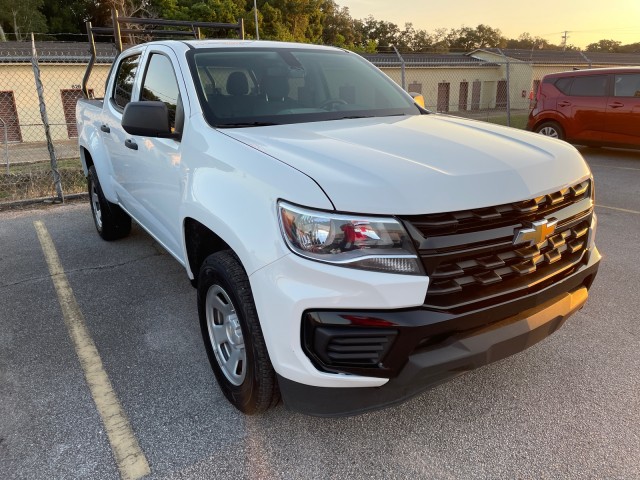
(563, 84)
(589, 86)
(124, 80)
(160, 84)
(627, 85)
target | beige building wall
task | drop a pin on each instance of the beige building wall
(429, 77)
(19, 79)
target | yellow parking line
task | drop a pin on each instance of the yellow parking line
(130, 458)
(619, 209)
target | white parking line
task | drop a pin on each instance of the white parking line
(619, 209)
(130, 458)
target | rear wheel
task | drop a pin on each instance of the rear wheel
(232, 335)
(111, 221)
(550, 129)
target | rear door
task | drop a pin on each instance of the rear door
(584, 108)
(120, 92)
(623, 110)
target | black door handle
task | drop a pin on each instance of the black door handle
(105, 128)
(130, 144)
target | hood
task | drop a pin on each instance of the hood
(419, 164)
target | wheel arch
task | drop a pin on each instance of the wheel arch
(200, 242)
(550, 118)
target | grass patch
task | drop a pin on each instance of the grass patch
(35, 180)
(517, 121)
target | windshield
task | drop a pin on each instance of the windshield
(244, 87)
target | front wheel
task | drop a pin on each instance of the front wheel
(550, 129)
(232, 335)
(111, 221)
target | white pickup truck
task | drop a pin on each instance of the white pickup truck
(349, 248)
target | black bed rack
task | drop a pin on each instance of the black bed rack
(116, 31)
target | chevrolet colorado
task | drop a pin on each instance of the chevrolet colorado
(349, 248)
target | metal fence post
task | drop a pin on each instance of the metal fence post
(508, 87)
(404, 82)
(45, 120)
(6, 143)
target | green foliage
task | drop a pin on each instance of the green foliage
(611, 46)
(22, 17)
(312, 21)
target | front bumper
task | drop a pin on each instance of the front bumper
(432, 347)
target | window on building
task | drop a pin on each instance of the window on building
(443, 96)
(9, 115)
(463, 96)
(475, 95)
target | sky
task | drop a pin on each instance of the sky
(586, 21)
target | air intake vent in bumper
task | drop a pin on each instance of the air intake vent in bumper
(352, 346)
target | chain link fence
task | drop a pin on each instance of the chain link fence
(490, 85)
(25, 162)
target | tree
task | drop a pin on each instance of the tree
(22, 17)
(604, 46)
(526, 41)
(482, 36)
(338, 28)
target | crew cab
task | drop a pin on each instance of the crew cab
(349, 248)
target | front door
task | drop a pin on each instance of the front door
(585, 107)
(158, 169)
(623, 110)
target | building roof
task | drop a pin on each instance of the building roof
(573, 57)
(426, 60)
(59, 52)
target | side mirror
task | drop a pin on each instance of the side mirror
(418, 99)
(147, 119)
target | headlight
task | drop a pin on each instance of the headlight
(369, 243)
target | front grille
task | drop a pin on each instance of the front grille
(479, 265)
(465, 221)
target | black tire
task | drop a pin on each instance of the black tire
(550, 129)
(110, 220)
(226, 307)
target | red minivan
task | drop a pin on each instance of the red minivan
(597, 107)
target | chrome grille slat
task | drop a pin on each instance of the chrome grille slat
(521, 261)
(490, 217)
(478, 262)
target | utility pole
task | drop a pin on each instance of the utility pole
(255, 17)
(564, 39)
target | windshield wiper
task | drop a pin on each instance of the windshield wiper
(355, 116)
(246, 124)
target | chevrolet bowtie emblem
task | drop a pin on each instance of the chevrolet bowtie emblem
(536, 232)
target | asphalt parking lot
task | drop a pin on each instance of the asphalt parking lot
(569, 407)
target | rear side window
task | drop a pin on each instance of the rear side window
(627, 85)
(563, 84)
(589, 86)
(124, 80)
(160, 84)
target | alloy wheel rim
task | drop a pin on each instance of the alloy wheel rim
(549, 132)
(225, 335)
(95, 205)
